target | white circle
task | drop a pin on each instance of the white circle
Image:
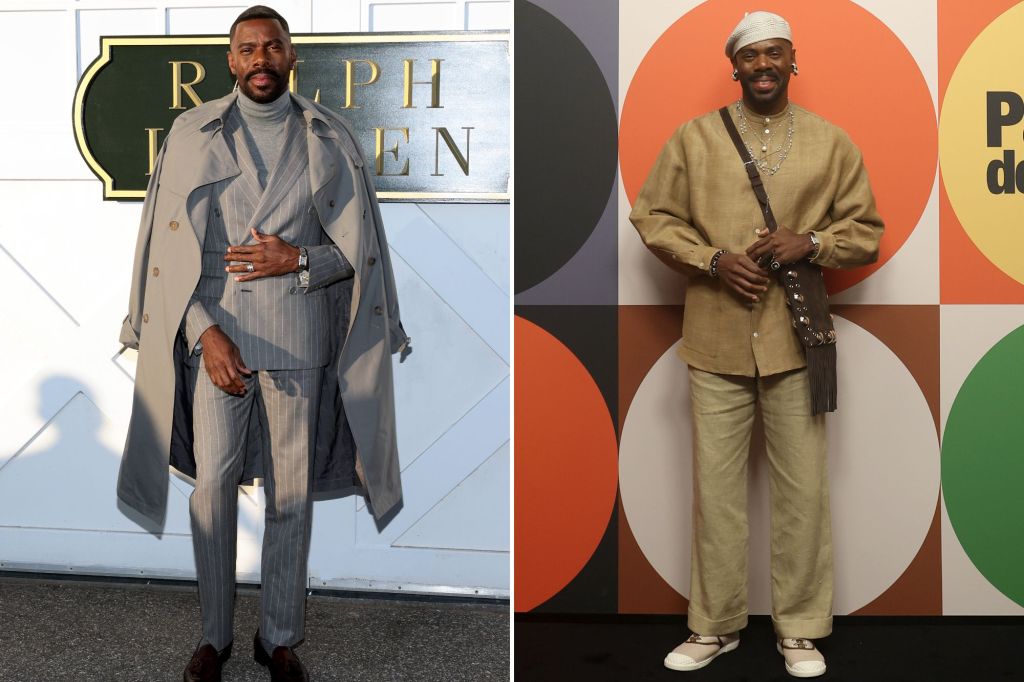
(883, 455)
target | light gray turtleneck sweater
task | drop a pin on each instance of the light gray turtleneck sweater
(265, 130)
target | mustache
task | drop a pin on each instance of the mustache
(262, 71)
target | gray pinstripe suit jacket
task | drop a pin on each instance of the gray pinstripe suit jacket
(276, 322)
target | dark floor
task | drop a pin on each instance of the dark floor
(861, 649)
(56, 631)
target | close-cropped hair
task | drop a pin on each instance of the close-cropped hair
(259, 12)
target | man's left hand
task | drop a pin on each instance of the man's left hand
(270, 256)
(785, 245)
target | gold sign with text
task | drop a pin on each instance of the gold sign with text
(430, 111)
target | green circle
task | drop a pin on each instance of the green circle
(983, 465)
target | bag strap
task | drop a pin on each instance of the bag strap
(751, 167)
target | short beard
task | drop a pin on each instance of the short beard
(280, 85)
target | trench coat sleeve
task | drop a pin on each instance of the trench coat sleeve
(327, 265)
(856, 229)
(131, 329)
(400, 341)
(662, 215)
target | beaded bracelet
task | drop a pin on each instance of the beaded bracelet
(713, 267)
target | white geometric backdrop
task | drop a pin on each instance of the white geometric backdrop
(65, 265)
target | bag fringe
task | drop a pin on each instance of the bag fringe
(821, 371)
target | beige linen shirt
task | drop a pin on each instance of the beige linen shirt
(697, 200)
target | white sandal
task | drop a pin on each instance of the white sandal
(678, 660)
(802, 658)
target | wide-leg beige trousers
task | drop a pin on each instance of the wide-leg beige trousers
(801, 536)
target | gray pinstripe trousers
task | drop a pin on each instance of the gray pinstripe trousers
(286, 403)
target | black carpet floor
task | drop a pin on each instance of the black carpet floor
(57, 631)
(861, 649)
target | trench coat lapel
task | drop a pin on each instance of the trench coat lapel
(324, 159)
(214, 160)
(322, 165)
(215, 165)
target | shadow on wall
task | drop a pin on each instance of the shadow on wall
(49, 481)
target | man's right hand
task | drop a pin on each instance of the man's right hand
(223, 361)
(742, 275)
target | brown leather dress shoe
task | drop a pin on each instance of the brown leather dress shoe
(206, 664)
(283, 664)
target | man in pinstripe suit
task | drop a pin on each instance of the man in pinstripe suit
(264, 311)
(257, 331)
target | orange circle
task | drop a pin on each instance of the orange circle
(854, 71)
(566, 473)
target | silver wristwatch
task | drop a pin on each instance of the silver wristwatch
(816, 243)
(303, 259)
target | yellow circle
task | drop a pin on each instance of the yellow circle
(976, 179)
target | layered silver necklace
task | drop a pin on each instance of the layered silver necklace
(770, 128)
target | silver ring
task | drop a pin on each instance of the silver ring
(775, 265)
(249, 267)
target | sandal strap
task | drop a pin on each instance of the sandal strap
(696, 639)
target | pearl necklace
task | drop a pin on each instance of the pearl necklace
(783, 150)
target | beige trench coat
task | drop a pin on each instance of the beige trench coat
(173, 226)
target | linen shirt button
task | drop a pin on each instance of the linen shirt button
(145, 317)
(156, 272)
(371, 260)
(173, 225)
(755, 335)
(331, 203)
(702, 264)
(377, 310)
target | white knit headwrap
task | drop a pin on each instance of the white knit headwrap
(755, 27)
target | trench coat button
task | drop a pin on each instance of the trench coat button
(377, 310)
(145, 317)
(156, 272)
(371, 260)
(173, 225)
(331, 203)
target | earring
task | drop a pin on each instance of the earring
(796, 71)
(735, 75)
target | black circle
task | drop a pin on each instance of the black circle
(566, 144)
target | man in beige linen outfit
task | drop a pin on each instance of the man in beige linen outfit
(698, 213)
